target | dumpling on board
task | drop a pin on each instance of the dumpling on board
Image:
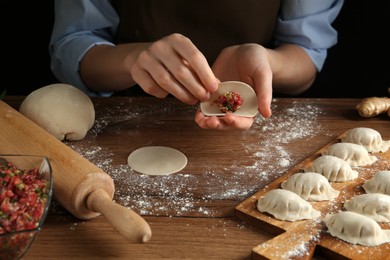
(353, 154)
(370, 138)
(333, 168)
(310, 186)
(372, 205)
(380, 183)
(355, 228)
(286, 205)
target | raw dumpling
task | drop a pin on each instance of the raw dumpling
(310, 186)
(286, 205)
(367, 137)
(333, 168)
(380, 183)
(356, 229)
(373, 205)
(353, 154)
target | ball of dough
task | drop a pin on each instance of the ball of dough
(61, 109)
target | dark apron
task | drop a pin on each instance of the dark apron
(211, 25)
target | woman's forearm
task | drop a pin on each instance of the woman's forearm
(293, 71)
(107, 68)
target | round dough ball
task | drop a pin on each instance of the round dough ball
(61, 109)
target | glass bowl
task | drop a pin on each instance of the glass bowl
(26, 189)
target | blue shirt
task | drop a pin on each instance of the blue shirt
(81, 24)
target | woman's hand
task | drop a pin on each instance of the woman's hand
(250, 64)
(247, 63)
(226, 122)
(173, 65)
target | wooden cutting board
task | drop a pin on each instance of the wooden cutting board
(303, 239)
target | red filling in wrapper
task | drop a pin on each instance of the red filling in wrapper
(229, 102)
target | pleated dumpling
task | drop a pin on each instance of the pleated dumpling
(372, 205)
(310, 186)
(380, 183)
(333, 168)
(356, 229)
(367, 137)
(286, 205)
(353, 154)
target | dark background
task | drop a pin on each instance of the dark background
(358, 66)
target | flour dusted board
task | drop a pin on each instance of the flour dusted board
(300, 239)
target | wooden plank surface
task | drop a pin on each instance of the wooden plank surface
(191, 213)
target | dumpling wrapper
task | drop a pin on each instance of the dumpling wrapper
(249, 107)
(356, 229)
(311, 186)
(380, 183)
(286, 205)
(157, 160)
(367, 137)
(372, 205)
(333, 168)
(353, 154)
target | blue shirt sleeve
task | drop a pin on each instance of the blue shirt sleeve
(308, 23)
(82, 24)
(79, 25)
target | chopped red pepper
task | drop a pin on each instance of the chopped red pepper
(23, 198)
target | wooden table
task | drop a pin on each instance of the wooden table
(191, 213)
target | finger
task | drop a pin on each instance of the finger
(206, 122)
(197, 62)
(154, 78)
(189, 79)
(164, 53)
(227, 122)
(263, 87)
(147, 83)
(238, 122)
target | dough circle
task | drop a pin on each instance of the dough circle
(61, 109)
(157, 160)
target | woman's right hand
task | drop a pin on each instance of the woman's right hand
(173, 65)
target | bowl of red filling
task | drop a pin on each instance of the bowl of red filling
(25, 196)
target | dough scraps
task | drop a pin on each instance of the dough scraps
(157, 160)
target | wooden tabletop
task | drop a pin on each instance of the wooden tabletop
(191, 213)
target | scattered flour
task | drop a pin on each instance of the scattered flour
(178, 192)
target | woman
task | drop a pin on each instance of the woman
(185, 48)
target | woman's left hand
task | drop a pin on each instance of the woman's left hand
(226, 122)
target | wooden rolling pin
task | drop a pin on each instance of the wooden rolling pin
(78, 185)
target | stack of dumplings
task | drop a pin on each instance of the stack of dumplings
(359, 224)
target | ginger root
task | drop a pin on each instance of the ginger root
(373, 106)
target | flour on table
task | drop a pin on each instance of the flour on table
(177, 193)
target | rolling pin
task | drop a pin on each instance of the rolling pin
(78, 185)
